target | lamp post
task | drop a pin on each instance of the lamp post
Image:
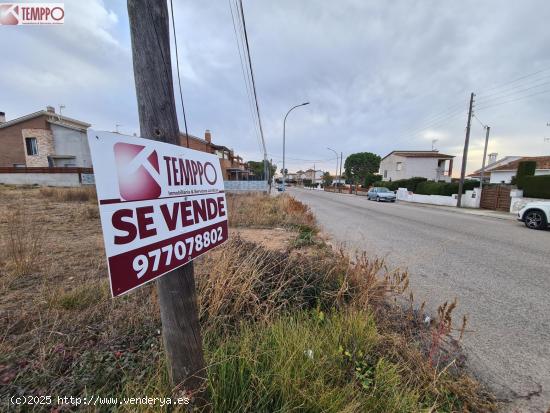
(284, 139)
(335, 153)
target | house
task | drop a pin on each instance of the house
(492, 164)
(503, 174)
(233, 167)
(407, 164)
(44, 139)
(314, 175)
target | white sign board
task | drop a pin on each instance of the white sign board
(160, 205)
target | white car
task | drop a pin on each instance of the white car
(535, 215)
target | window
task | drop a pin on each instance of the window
(398, 166)
(32, 147)
(385, 173)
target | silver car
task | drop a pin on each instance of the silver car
(381, 194)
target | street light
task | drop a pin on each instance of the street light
(336, 153)
(284, 139)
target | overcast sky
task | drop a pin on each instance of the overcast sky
(377, 74)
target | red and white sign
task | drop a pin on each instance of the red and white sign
(17, 14)
(160, 205)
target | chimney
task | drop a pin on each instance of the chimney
(207, 136)
(492, 157)
(50, 109)
(2, 117)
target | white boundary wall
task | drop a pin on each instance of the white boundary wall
(246, 186)
(469, 200)
(37, 178)
(518, 201)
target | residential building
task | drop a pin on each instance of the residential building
(44, 139)
(314, 175)
(233, 167)
(407, 164)
(492, 164)
(503, 174)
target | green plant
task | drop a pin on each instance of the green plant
(444, 188)
(525, 169)
(358, 165)
(370, 179)
(537, 186)
(305, 237)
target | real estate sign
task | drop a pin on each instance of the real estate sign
(160, 205)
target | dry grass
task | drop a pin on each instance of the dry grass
(23, 240)
(261, 211)
(62, 334)
(83, 194)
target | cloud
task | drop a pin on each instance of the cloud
(379, 76)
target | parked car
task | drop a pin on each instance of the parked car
(535, 215)
(381, 194)
(280, 188)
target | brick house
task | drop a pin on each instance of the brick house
(44, 139)
(233, 167)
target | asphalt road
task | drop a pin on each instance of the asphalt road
(498, 270)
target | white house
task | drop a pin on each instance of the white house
(407, 164)
(493, 163)
(503, 174)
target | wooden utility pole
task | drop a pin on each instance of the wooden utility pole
(158, 121)
(465, 154)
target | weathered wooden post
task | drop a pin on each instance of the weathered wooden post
(149, 29)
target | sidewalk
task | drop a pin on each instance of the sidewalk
(470, 211)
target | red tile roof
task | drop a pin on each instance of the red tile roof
(543, 162)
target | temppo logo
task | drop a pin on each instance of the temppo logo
(14, 14)
(138, 171)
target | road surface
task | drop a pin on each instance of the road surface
(498, 269)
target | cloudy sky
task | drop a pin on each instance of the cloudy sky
(379, 75)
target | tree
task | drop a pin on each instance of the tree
(327, 179)
(258, 168)
(359, 165)
(370, 179)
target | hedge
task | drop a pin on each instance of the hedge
(411, 183)
(536, 186)
(444, 188)
(525, 169)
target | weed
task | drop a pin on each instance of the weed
(24, 239)
(83, 194)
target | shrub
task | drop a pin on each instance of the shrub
(411, 184)
(370, 179)
(536, 186)
(444, 188)
(525, 169)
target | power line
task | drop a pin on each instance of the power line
(246, 79)
(252, 76)
(178, 70)
(514, 100)
(485, 99)
(516, 80)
